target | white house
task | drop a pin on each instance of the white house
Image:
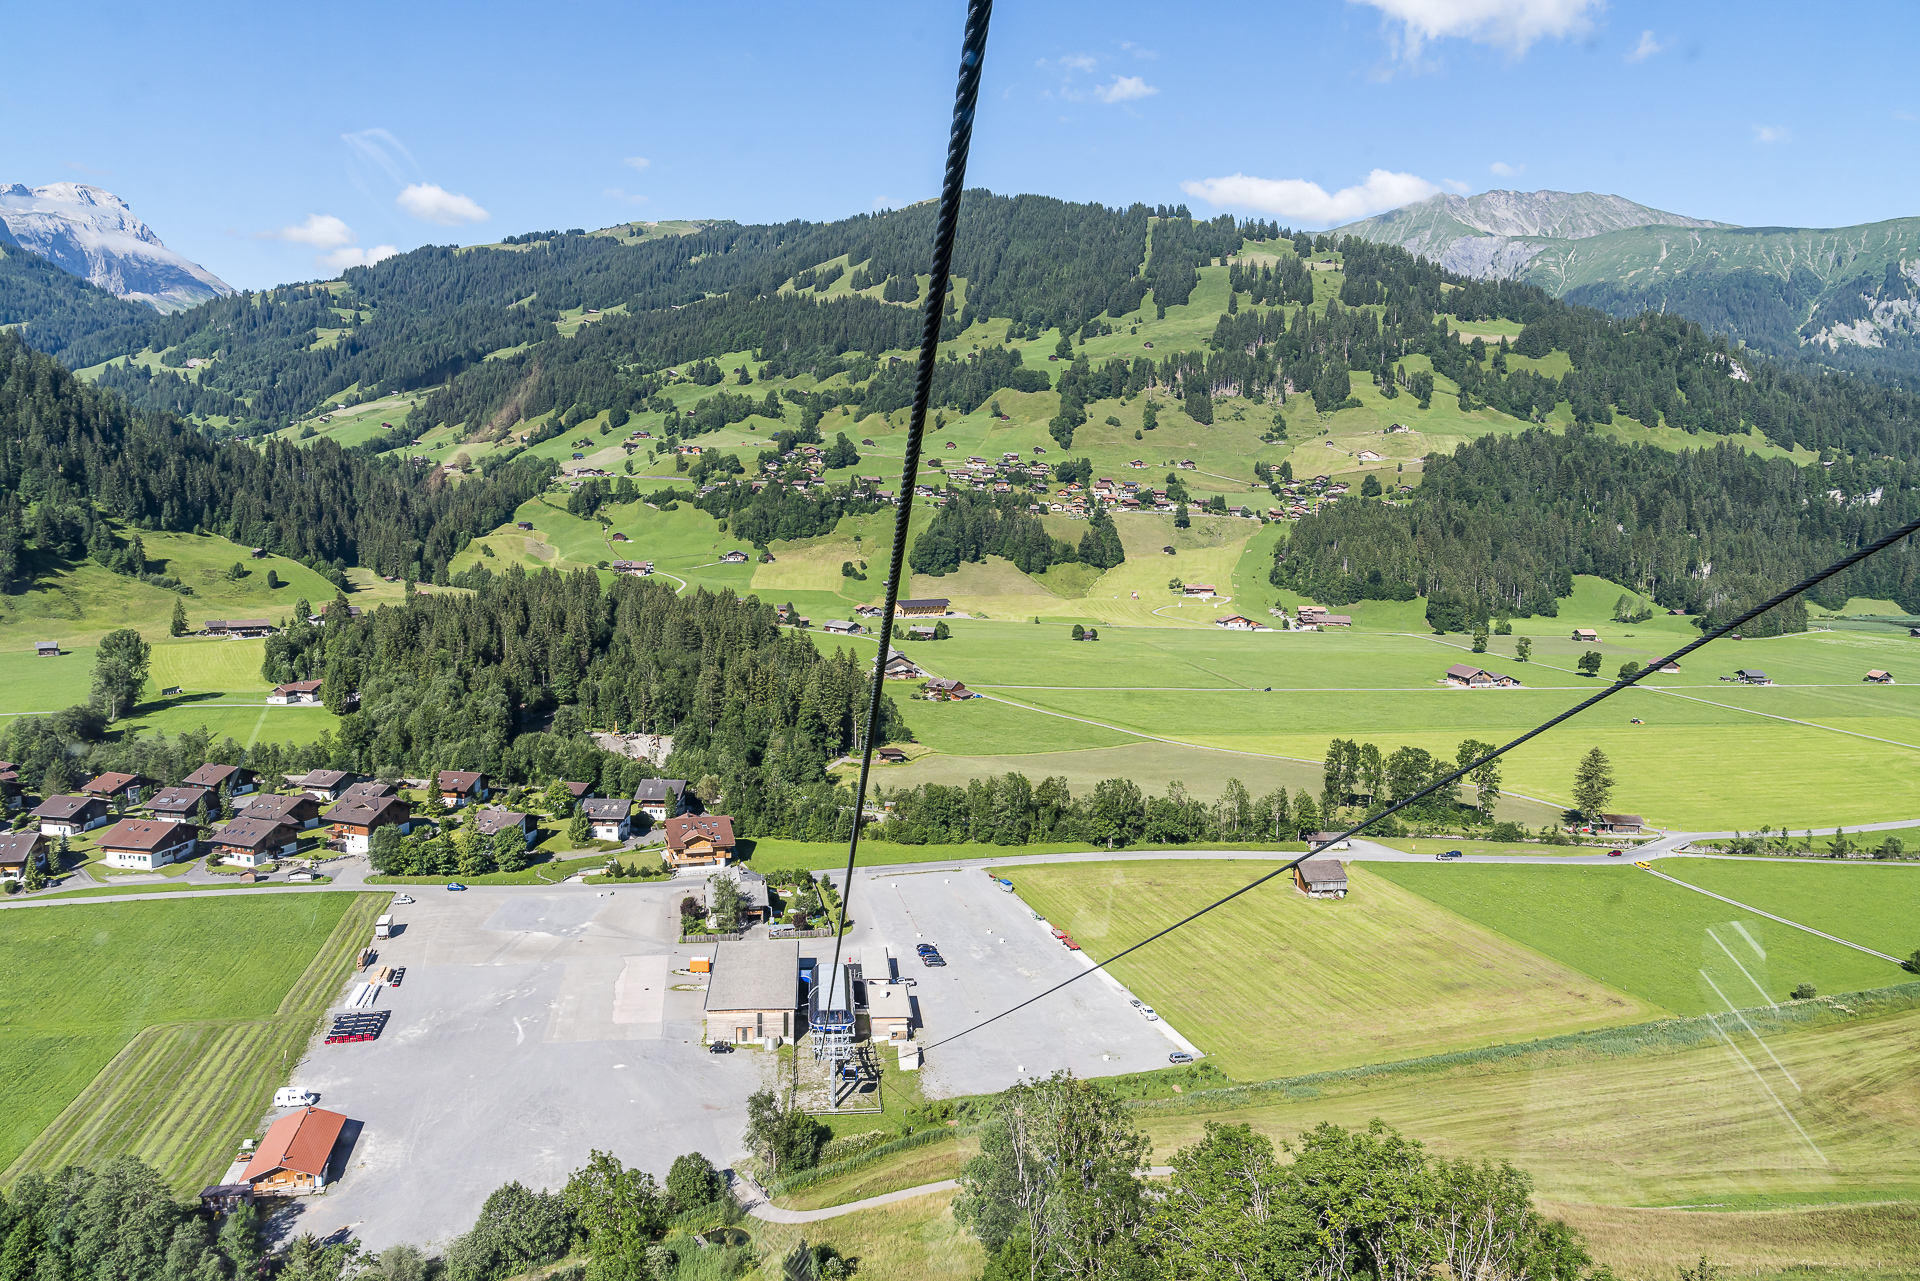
(609, 820)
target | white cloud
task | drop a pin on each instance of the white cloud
(1513, 25)
(341, 259)
(430, 203)
(1457, 187)
(1309, 202)
(636, 162)
(1502, 169)
(322, 231)
(1077, 61)
(1647, 47)
(1124, 89)
(1137, 51)
(1770, 134)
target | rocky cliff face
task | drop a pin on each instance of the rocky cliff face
(92, 234)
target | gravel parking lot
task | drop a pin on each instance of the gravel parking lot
(531, 1028)
(997, 955)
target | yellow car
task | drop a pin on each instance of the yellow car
(1645, 867)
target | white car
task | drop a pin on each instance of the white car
(402, 898)
(1148, 1011)
(289, 1097)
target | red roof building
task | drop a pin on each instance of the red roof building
(293, 1157)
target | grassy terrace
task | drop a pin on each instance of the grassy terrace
(173, 1025)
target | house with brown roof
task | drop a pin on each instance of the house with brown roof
(891, 755)
(240, 628)
(71, 815)
(457, 787)
(1618, 825)
(371, 790)
(295, 694)
(1466, 676)
(144, 844)
(18, 852)
(1237, 623)
(235, 780)
(699, 840)
(292, 1159)
(176, 804)
(51, 649)
(1879, 677)
(253, 842)
(125, 787)
(1196, 589)
(300, 811)
(330, 784)
(11, 796)
(939, 688)
(901, 668)
(610, 819)
(1585, 634)
(354, 820)
(491, 822)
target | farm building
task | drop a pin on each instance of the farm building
(1879, 677)
(70, 815)
(579, 791)
(734, 558)
(1669, 669)
(1752, 676)
(939, 689)
(633, 568)
(891, 755)
(491, 822)
(330, 784)
(1329, 841)
(108, 786)
(18, 852)
(143, 844)
(292, 1159)
(932, 607)
(1317, 616)
(902, 668)
(231, 778)
(176, 804)
(251, 842)
(695, 840)
(301, 811)
(1618, 825)
(458, 786)
(609, 820)
(1465, 676)
(354, 820)
(661, 798)
(1585, 634)
(841, 627)
(240, 628)
(51, 649)
(754, 991)
(1236, 623)
(295, 694)
(1321, 878)
(1196, 589)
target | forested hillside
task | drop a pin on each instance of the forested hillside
(1499, 528)
(74, 458)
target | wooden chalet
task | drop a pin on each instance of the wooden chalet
(354, 820)
(144, 844)
(292, 1159)
(177, 804)
(254, 842)
(71, 815)
(110, 786)
(299, 811)
(295, 694)
(240, 628)
(491, 822)
(1321, 878)
(20, 851)
(232, 779)
(661, 798)
(610, 819)
(330, 785)
(458, 787)
(699, 840)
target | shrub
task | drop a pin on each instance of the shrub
(1805, 992)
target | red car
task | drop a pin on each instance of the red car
(1613, 853)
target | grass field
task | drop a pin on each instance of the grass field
(175, 1022)
(1876, 905)
(1276, 983)
(1667, 945)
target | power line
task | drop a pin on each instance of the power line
(973, 53)
(1780, 598)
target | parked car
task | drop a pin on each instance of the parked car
(290, 1097)
(455, 885)
(1151, 1017)
(932, 959)
(1449, 854)
(1135, 1002)
(927, 949)
(400, 900)
(720, 1047)
(1179, 1056)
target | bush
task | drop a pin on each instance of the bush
(1805, 992)
(693, 1182)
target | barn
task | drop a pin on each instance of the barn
(1321, 878)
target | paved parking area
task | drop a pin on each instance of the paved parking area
(531, 1028)
(997, 955)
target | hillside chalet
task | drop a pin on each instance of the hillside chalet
(661, 798)
(231, 779)
(18, 852)
(295, 694)
(240, 628)
(71, 815)
(1752, 676)
(901, 668)
(254, 842)
(300, 811)
(330, 785)
(177, 804)
(941, 690)
(491, 822)
(609, 820)
(1618, 825)
(144, 844)
(699, 840)
(1237, 623)
(110, 786)
(1585, 634)
(457, 787)
(1879, 677)
(354, 820)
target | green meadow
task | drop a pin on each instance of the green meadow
(1876, 905)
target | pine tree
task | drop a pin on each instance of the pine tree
(179, 625)
(1592, 784)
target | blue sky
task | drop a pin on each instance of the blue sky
(274, 143)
